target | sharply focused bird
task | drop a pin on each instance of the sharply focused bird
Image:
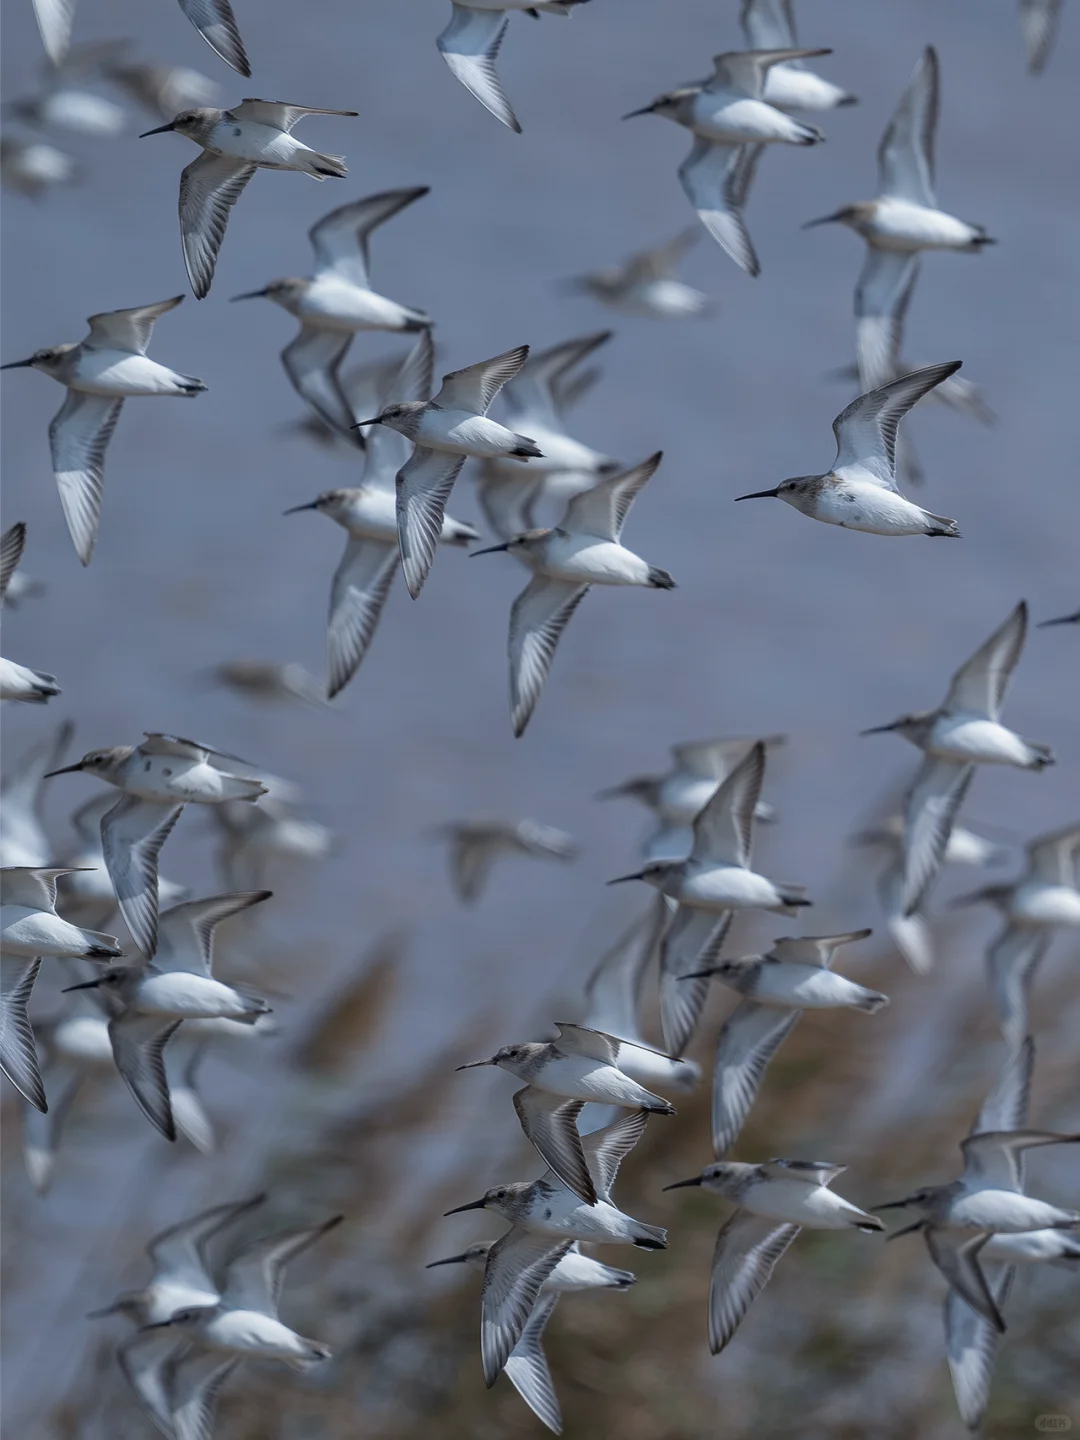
(337, 302)
(99, 374)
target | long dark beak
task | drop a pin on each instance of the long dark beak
(490, 550)
(907, 1230)
(86, 985)
(880, 729)
(890, 1205)
(832, 219)
(622, 879)
(158, 1324)
(99, 1314)
(645, 110)
(450, 1260)
(17, 365)
(474, 1064)
(361, 423)
(473, 1205)
(161, 130)
(65, 770)
(248, 294)
(684, 1184)
(295, 510)
(760, 495)
(701, 974)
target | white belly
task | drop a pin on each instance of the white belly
(976, 739)
(869, 508)
(792, 89)
(334, 304)
(588, 561)
(459, 433)
(1041, 904)
(729, 887)
(115, 372)
(84, 1039)
(902, 225)
(742, 121)
(195, 996)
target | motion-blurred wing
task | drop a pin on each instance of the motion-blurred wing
(79, 435)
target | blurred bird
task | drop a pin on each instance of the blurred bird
(526, 1366)
(16, 681)
(899, 224)
(213, 19)
(256, 840)
(613, 994)
(476, 844)
(677, 797)
(470, 46)
(1045, 898)
(337, 302)
(157, 777)
(560, 1076)
(444, 431)
(181, 1275)
(30, 930)
(647, 284)
(911, 932)
(23, 840)
(86, 894)
(859, 491)
(235, 143)
(99, 373)
(212, 1339)
(163, 90)
(726, 114)
(773, 1203)
(32, 167)
(709, 885)
(795, 975)
(546, 1218)
(584, 549)
(964, 731)
(958, 1219)
(60, 105)
(789, 85)
(368, 513)
(268, 680)
(536, 401)
(74, 1048)
(1039, 20)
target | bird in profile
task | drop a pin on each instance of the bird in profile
(860, 492)
(647, 284)
(475, 845)
(99, 374)
(16, 681)
(256, 134)
(709, 885)
(794, 976)
(444, 431)
(546, 1219)
(773, 1201)
(900, 223)
(147, 1002)
(583, 550)
(368, 514)
(213, 19)
(730, 121)
(158, 778)
(470, 46)
(210, 1340)
(1044, 899)
(337, 302)
(962, 732)
(958, 1219)
(561, 1076)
